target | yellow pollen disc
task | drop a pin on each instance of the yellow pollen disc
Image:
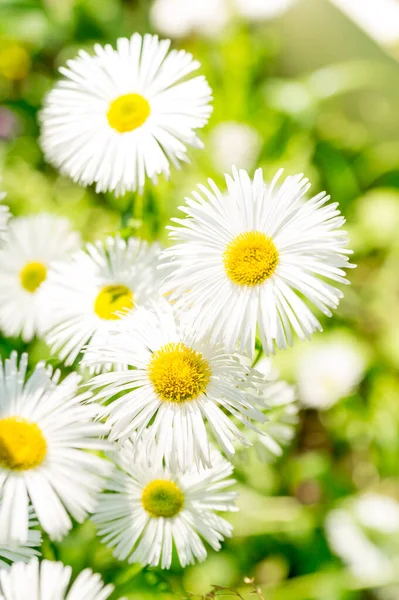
(14, 61)
(113, 299)
(162, 498)
(178, 373)
(250, 258)
(32, 275)
(22, 445)
(128, 112)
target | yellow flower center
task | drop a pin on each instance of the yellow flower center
(250, 258)
(113, 299)
(162, 498)
(14, 61)
(128, 112)
(32, 275)
(178, 373)
(22, 445)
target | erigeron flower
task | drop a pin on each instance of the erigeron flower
(361, 531)
(247, 260)
(328, 371)
(175, 382)
(89, 293)
(123, 115)
(12, 551)
(33, 244)
(145, 511)
(49, 580)
(46, 429)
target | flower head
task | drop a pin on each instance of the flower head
(51, 580)
(145, 511)
(328, 371)
(178, 381)
(46, 428)
(123, 115)
(249, 259)
(89, 293)
(33, 244)
(360, 531)
(178, 18)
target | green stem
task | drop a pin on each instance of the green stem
(258, 356)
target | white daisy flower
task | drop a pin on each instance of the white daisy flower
(246, 260)
(87, 294)
(45, 430)
(49, 580)
(145, 511)
(11, 551)
(123, 115)
(4, 216)
(179, 381)
(33, 244)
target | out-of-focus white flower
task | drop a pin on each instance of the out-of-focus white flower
(180, 18)
(259, 10)
(329, 371)
(378, 512)
(359, 532)
(379, 18)
(233, 143)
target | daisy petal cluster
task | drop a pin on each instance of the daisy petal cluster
(50, 580)
(46, 429)
(12, 551)
(86, 295)
(281, 412)
(34, 243)
(173, 381)
(120, 116)
(247, 259)
(361, 530)
(146, 511)
(155, 347)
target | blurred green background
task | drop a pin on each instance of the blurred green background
(298, 85)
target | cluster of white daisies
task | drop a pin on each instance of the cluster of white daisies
(169, 342)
